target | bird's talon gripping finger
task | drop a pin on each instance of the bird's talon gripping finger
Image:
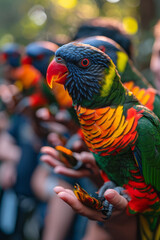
(121, 191)
(107, 209)
(106, 185)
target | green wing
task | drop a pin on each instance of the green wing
(148, 149)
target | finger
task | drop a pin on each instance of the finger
(72, 173)
(54, 139)
(118, 201)
(58, 189)
(51, 151)
(77, 206)
(50, 160)
(87, 157)
(88, 161)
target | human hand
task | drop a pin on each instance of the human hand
(51, 157)
(119, 203)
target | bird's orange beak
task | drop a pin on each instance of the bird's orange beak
(56, 72)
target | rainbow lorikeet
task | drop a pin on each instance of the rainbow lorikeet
(10, 54)
(122, 134)
(130, 76)
(39, 54)
(107, 27)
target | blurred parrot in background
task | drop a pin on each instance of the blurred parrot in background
(26, 78)
(35, 56)
(130, 76)
(40, 54)
(122, 134)
(11, 54)
(10, 61)
(107, 27)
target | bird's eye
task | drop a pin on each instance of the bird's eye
(40, 57)
(102, 48)
(58, 59)
(85, 62)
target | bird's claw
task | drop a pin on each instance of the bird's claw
(108, 207)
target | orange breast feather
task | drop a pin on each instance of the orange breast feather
(107, 130)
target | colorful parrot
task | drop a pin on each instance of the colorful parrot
(10, 58)
(122, 134)
(28, 81)
(130, 76)
(11, 53)
(40, 54)
(108, 27)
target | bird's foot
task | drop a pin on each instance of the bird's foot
(108, 207)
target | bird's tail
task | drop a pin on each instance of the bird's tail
(149, 227)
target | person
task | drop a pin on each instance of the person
(119, 218)
(8, 159)
(155, 57)
(43, 181)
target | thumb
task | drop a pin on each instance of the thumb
(118, 201)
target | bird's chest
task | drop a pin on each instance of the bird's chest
(119, 168)
(107, 131)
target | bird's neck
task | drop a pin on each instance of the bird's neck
(132, 74)
(118, 95)
(111, 92)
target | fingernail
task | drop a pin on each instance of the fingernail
(109, 194)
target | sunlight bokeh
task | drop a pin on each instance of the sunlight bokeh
(67, 3)
(130, 25)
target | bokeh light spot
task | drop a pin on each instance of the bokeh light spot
(67, 3)
(37, 15)
(7, 38)
(88, 11)
(113, 1)
(130, 25)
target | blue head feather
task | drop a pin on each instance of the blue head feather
(13, 51)
(41, 55)
(83, 83)
(105, 44)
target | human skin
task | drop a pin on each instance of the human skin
(116, 225)
(119, 226)
(155, 62)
